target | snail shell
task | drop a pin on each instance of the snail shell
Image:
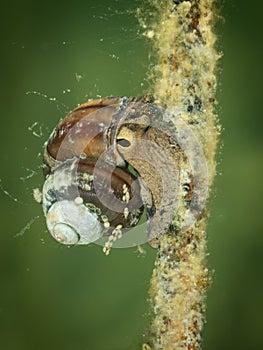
(85, 198)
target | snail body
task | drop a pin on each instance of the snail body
(142, 138)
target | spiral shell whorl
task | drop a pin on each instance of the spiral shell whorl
(72, 223)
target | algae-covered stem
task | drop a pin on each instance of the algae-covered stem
(183, 80)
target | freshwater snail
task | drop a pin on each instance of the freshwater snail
(107, 162)
(83, 199)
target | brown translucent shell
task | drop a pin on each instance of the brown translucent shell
(82, 130)
(108, 195)
(81, 134)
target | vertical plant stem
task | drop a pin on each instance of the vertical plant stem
(183, 80)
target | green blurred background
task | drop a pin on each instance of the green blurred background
(59, 298)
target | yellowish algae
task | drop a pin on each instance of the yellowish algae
(183, 80)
